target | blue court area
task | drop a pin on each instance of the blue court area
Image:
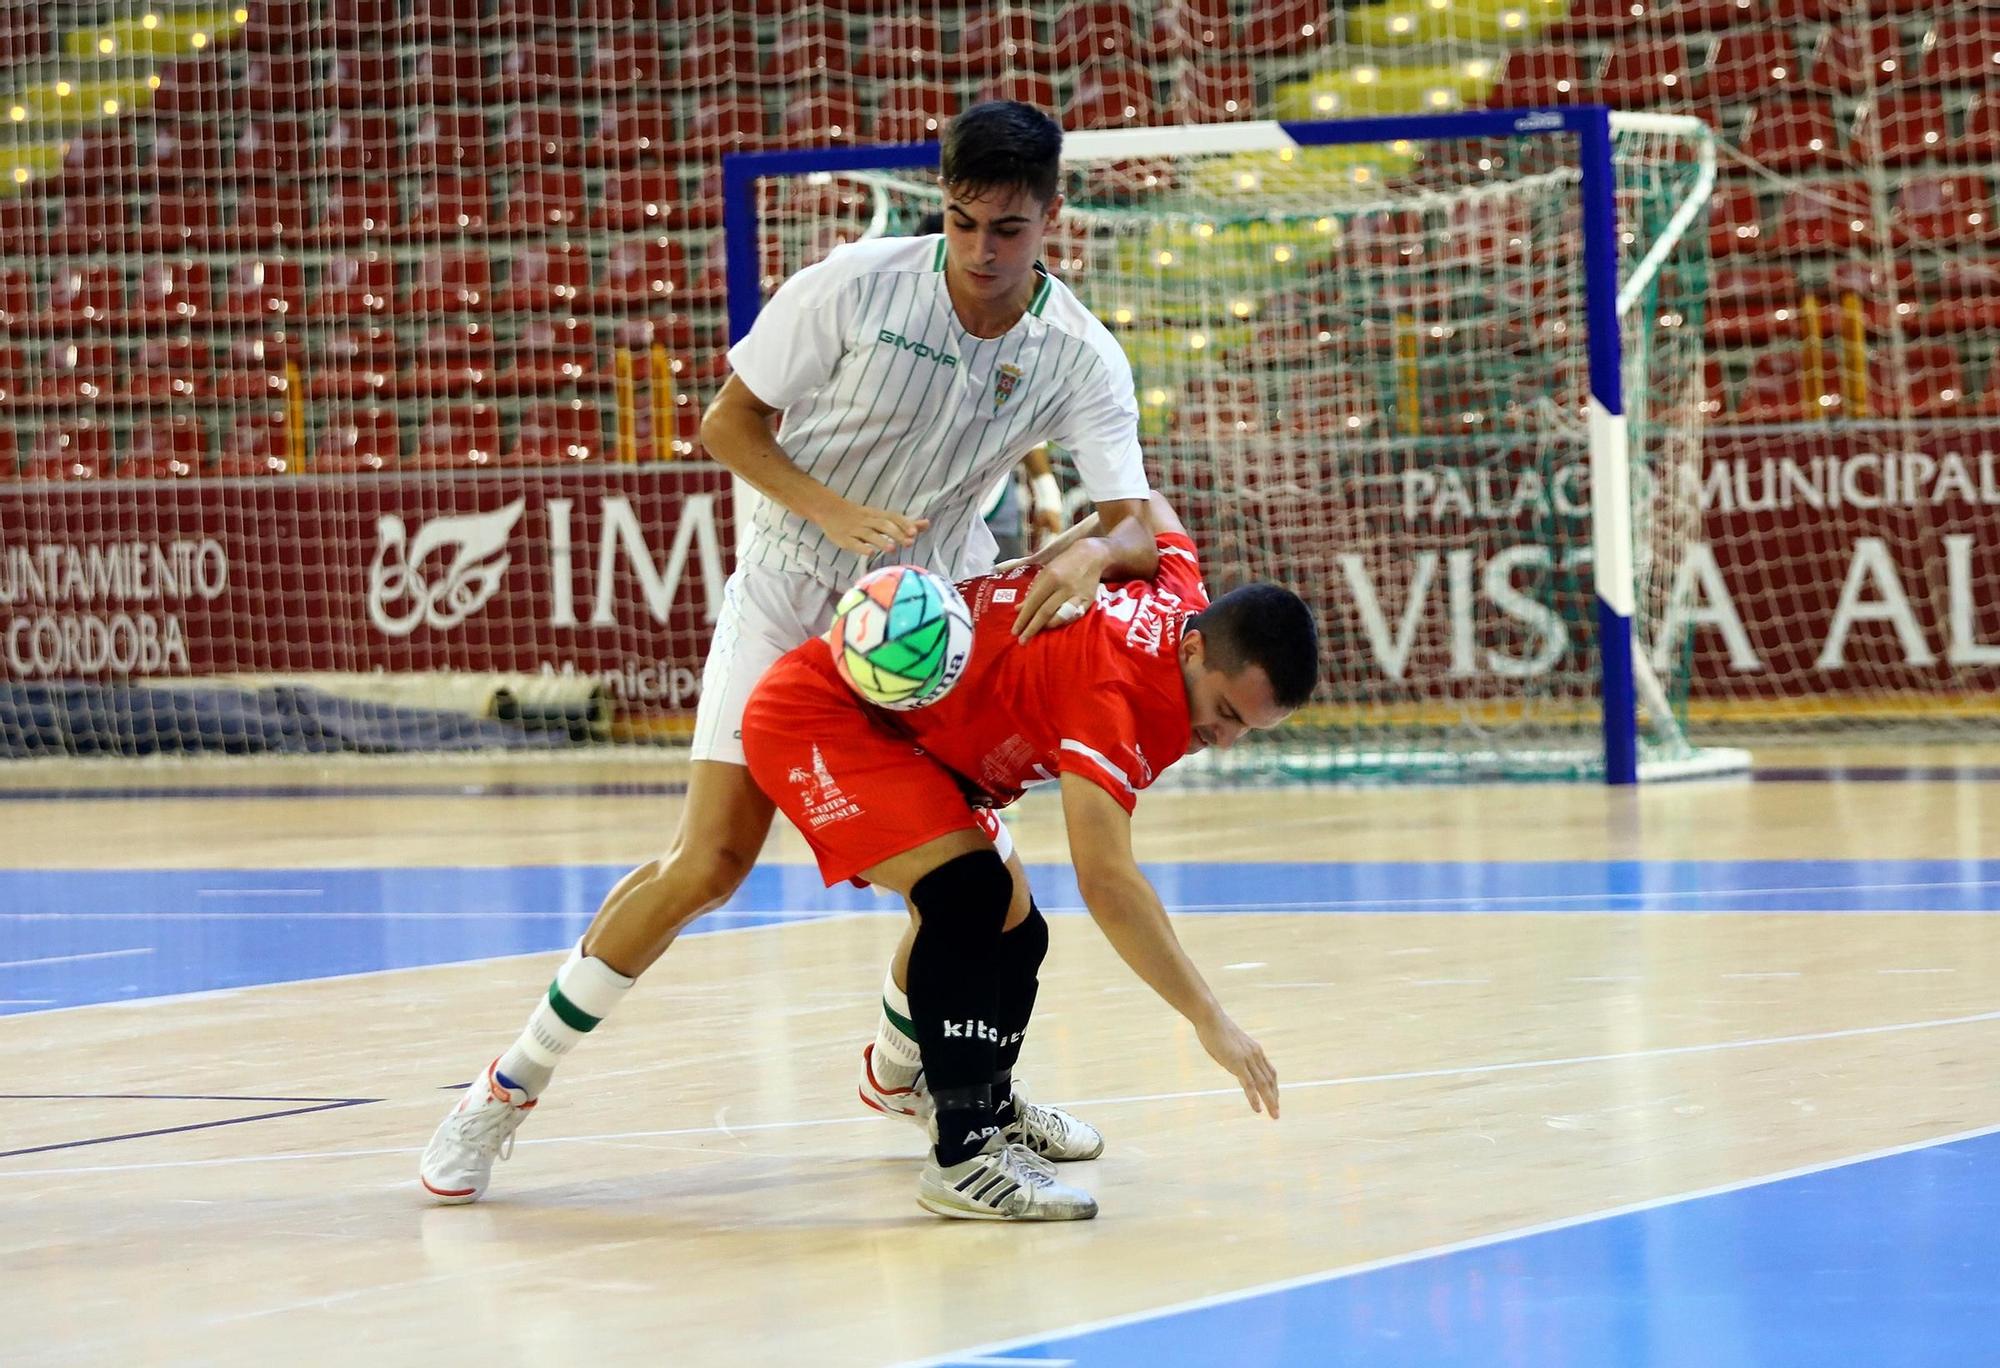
(72, 937)
(1885, 1261)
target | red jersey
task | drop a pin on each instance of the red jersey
(1102, 697)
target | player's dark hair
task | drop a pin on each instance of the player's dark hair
(1268, 626)
(1002, 145)
(931, 224)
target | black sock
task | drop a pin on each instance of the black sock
(1022, 951)
(954, 994)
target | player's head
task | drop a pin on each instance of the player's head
(1001, 172)
(1249, 660)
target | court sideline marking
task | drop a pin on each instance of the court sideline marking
(992, 1353)
(1355, 1080)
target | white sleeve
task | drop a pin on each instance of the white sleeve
(1099, 427)
(799, 335)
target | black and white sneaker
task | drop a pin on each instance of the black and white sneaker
(1002, 1182)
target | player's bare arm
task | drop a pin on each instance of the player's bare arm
(1130, 914)
(736, 429)
(1120, 546)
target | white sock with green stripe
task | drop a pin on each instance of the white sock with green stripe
(582, 994)
(898, 1060)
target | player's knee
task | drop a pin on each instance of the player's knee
(702, 877)
(964, 900)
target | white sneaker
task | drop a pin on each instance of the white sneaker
(1002, 1182)
(911, 1104)
(1051, 1132)
(458, 1162)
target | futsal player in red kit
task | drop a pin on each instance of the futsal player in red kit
(1151, 672)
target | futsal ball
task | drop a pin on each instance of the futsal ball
(901, 637)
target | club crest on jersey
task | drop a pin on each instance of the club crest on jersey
(1006, 380)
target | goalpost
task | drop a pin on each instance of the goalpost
(1441, 374)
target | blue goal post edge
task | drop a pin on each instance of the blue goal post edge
(1611, 512)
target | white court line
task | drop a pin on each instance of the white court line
(785, 914)
(260, 892)
(1614, 901)
(1434, 1252)
(1350, 1081)
(200, 993)
(71, 959)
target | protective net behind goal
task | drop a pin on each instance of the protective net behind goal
(1362, 372)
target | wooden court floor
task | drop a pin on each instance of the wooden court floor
(1494, 1011)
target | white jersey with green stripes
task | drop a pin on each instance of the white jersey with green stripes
(888, 401)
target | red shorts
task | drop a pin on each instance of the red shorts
(856, 791)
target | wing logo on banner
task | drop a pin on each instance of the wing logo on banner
(466, 553)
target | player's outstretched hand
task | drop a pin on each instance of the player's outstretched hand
(1063, 592)
(868, 531)
(1228, 1046)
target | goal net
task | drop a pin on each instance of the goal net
(1363, 371)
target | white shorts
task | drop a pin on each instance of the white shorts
(765, 613)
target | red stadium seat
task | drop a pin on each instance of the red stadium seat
(717, 53)
(78, 450)
(359, 441)
(542, 70)
(559, 433)
(267, 290)
(545, 202)
(1930, 383)
(629, 61)
(1645, 75)
(448, 76)
(913, 111)
(77, 369)
(1780, 389)
(17, 296)
(1748, 64)
(456, 357)
(458, 435)
(190, 150)
(356, 285)
(1752, 304)
(447, 18)
(10, 445)
(85, 296)
(1944, 211)
(907, 47)
(727, 123)
(1101, 32)
(194, 88)
(361, 145)
(24, 35)
(1110, 97)
(550, 279)
(96, 161)
(1029, 87)
(276, 82)
(277, 25)
(366, 79)
(1194, 30)
(258, 367)
(175, 291)
(1537, 76)
(182, 220)
(1847, 60)
(1598, 19)
(1214, 92)
(1703, 16)
(1967, 300)
(1982, 129)
(542, 135)
(639, 200)
(553, 354)
(269, 147)
(1735, 223)
(1795, 133)
(642, 273)
(268, 214)
(353, 22)
(995, 40)
(91, 223)
(357, 363)
(257, 444)
(450, 205)
(1287, 28)
(630, 131)
(1908, 127)
(809, 49)
(170, 448)
(171, 368)
(454, 280)
(829, 114)
(359, 210)
(1833, 216)
(449, 140)
(1962, 50)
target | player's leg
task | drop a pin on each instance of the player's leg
(961, 891)
(723, 824)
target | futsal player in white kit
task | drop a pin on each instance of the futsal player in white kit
(910, 374)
